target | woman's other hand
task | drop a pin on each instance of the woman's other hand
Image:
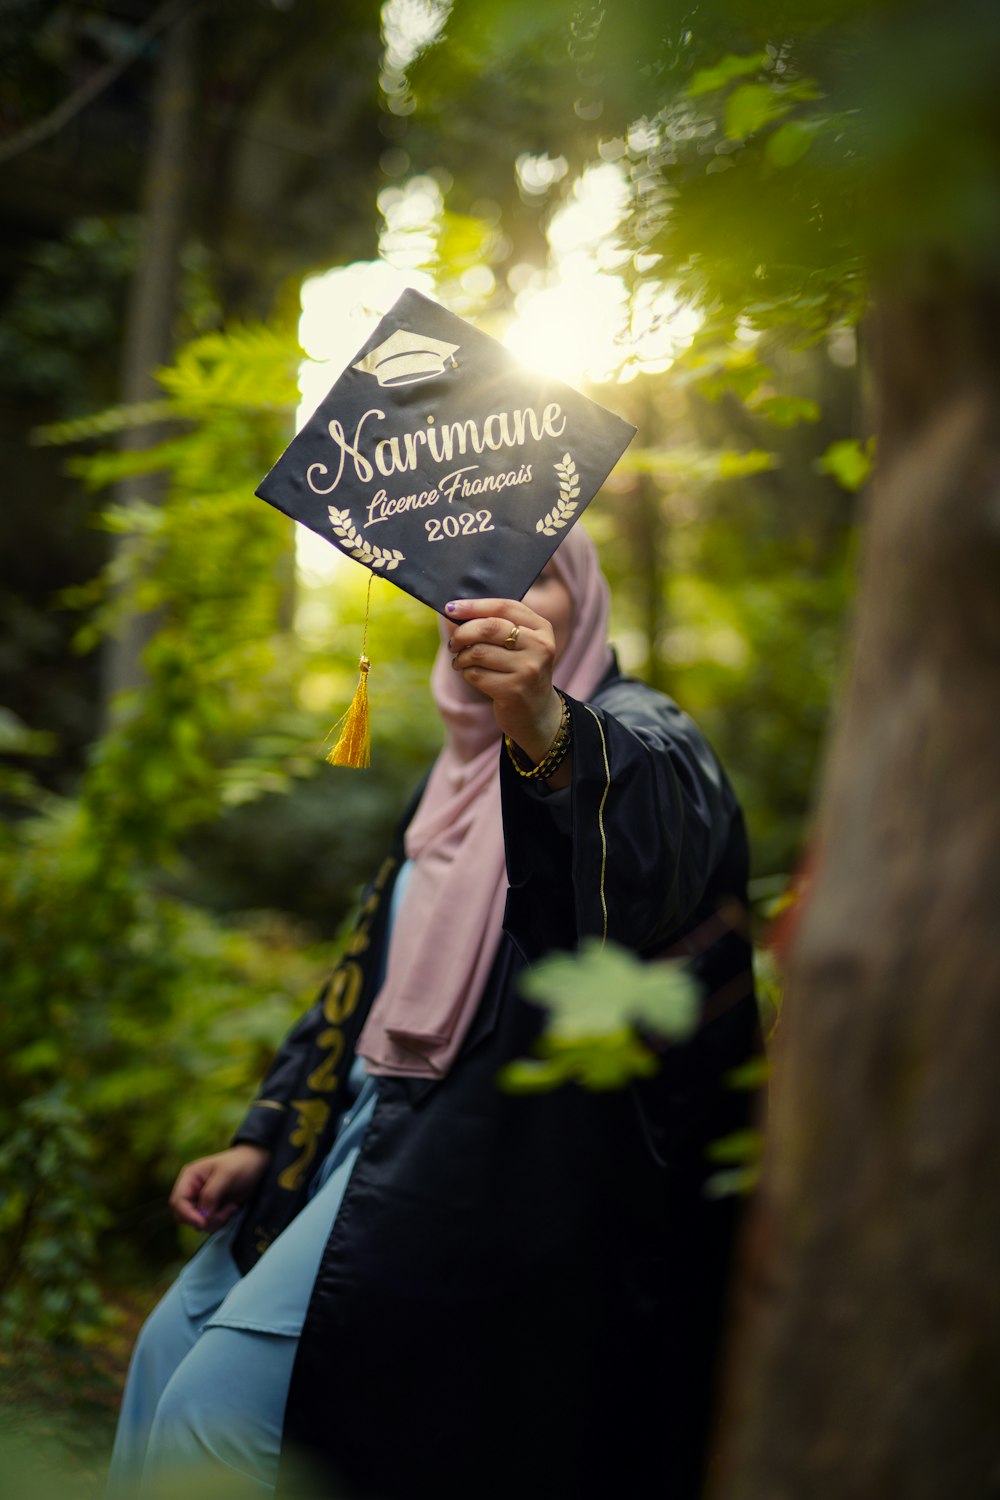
(209, 1191)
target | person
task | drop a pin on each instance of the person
(427, 1284)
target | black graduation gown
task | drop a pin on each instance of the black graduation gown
(522, 1295)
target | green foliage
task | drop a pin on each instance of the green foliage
(849, 461)
(791, 142)
(750, 107)
(710, 80)
(65, 309)
(133, 1028)
(604, 987)
(739, 139)
(17, 739)
(729, 590)
(736, 1147)
(60, 323)
(48, 1218)
(696, 465)
(210, 550)
(774, 162)
(599, 1003)
(755, 644)
(785, 411)
(59, 1460)
(136, 1024)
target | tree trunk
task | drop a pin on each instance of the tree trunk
(867, 1362)
(152, 310)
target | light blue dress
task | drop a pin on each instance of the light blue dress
(209, 1376)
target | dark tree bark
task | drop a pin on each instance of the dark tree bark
(868, 1358)
(152, 308)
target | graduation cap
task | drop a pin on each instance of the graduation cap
(439, 461)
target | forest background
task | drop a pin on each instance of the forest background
(766, 234)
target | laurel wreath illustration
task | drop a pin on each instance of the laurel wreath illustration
(569, 488)
(355, 544)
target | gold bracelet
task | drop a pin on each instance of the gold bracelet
(556, 753)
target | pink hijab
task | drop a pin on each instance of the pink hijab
(448, 928)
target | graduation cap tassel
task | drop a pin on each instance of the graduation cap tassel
(353, 748)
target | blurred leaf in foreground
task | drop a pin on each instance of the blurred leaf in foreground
(849, 461)
(601, 1001)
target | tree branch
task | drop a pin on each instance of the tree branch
(52, 123)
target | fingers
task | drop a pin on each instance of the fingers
(184, 1199)
(200, 1195)
(208, 1192)
(501, 634)
(511, 610)
(494, 640)
(213, 1193)
(478, 650)
(517, 677)
(216, 1218)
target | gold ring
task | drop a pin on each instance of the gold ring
(511, 641)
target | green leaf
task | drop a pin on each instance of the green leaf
(604, 989)
(100, 470)
(17, 739)
(101, 423)
(39, 1057)
(749, 1075)
(531, 1076)
(741, 1146)
(787, 411)
(734, 465)
(790, 142)
(698, 465)
(138, 518)
(751, 106)
(735, 1180)
(601, 1062)
(732, 66)
(849, 462)
(596, 999)
(738, 374)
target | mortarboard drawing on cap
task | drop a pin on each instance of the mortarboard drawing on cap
(406, 357)
(456, 478)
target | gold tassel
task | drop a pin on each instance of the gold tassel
(354, 745)
(353, 748)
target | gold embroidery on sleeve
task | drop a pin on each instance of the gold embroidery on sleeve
(600, 819)
(323, 1080)
(339, 1004)
(344, 993)
(312, 1116)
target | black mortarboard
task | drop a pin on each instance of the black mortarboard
(439, 461)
